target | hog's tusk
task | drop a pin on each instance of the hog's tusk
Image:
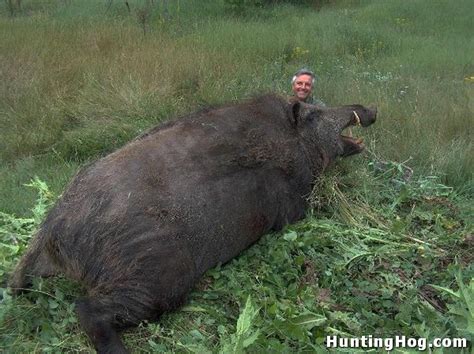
(357, 118)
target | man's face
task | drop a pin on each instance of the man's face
(303, 86)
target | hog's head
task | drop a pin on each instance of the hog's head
(321, 129)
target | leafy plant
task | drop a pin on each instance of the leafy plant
(243, 336)
(361, 264)
(15, 232)
(462, 308)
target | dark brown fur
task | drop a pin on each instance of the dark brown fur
(140, 226)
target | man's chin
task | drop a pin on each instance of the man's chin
(302, 97)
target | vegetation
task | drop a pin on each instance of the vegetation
(382, 256)
(387, 248)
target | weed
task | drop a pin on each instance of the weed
(379, 263)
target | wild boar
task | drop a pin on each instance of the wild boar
(140, 226)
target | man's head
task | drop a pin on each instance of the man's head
(302, 84)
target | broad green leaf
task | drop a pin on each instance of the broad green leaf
(309, 320)
(53, 304)
(454, 294)
(290, 236)
(246, 317)
(251, 339)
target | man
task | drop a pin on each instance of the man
(302, 85)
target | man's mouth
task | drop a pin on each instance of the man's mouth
(302, 93)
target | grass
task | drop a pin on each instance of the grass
(394, 262)
(79, 79)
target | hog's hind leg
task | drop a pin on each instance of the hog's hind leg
(103, 318)
(98, 318)
(159, 282)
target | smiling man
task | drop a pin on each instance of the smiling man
(302, 86)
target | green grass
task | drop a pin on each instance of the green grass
(380, 254)
(79, 80)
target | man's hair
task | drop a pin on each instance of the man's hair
(303, 71)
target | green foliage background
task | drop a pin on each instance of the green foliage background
(387, 247)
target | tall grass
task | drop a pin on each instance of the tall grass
(80, 78)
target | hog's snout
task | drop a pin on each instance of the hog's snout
(370, 117)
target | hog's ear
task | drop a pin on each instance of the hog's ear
(295, 113)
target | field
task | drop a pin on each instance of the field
(387, 248)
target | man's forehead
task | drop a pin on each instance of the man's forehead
(304, 77)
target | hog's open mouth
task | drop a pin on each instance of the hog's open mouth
(352, 145)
